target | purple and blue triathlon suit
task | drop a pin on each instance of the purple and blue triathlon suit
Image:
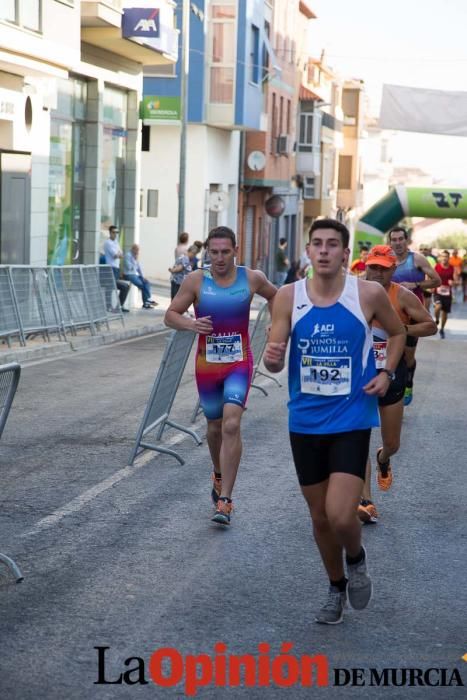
(224, 361)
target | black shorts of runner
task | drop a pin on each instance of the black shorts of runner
(445, 301)
(411, 341)
(396, 388)
(427, 293)
(318, 456)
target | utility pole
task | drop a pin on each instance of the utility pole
(184, 64)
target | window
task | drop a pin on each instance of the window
(160, 71)
(309, 188)
(254, 54)
(345, 173)
(350, 106)
(305, 136)
(152, 203)
(281, 115)
(222, 50)
(146, 138)
(273, 123)
(267, 31)
(309, 132)
(26, 13)
(288, 116)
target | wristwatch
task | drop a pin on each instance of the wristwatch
(391, 375)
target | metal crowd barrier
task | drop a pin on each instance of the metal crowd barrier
(10, 324)
(258, 340)
(9, 379)
(156, 415)
(61, 300)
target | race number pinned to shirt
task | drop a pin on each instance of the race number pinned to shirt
(444, 290)
(326, 376)
(379, 349)
(224, 348)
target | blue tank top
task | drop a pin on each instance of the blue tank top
(331, 359)
(407, 271)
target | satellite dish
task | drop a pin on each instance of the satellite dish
(218, 201)
(256, 160)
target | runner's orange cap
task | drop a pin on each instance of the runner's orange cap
(381, 255)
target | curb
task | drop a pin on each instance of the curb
(65, 347)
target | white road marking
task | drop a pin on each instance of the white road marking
(80, 501)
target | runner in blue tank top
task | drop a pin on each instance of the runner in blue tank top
(333, 389)
(414, 272)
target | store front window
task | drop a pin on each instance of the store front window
(113, 160)
(66, 174)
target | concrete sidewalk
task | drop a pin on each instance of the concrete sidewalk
(137, 323)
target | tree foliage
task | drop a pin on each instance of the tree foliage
(451, 240)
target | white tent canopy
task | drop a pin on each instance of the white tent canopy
(426, 111)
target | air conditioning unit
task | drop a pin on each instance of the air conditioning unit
(282, 144)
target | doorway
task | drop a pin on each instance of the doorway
(15, 208)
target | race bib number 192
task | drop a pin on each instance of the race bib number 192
(324, 376)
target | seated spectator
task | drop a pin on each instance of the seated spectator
(133, 273)
(112, 256)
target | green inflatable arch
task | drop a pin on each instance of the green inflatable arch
(429, 202)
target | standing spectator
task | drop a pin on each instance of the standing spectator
(113, 255)
(282, 263)
(304, 264)
(178, 272)
(358, 266)
(205, 257)
(133, 273)
(182, 245)
(193, 252)
(443, 293)
(113, 252)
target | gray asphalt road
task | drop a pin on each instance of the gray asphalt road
(128, 559)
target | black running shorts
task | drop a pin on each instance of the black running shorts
(411, 341)
(396, 388)
(444, 300)
(318, 456)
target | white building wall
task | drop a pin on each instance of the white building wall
(212, 158)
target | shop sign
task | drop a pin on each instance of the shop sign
(160, 108)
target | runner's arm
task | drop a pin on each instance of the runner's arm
(274, 354)
(385, 315)
(185, 297)
(421, 323)
(262, 286)
(433, 279)
(378, 304)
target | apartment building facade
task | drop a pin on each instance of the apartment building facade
(271, 205)
(223, 98)
(350, 178)
(70, 88)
